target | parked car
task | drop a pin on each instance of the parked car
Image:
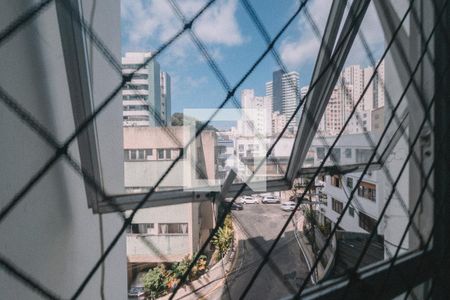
(137, 292)
(236, 206)
(288, 206)
(249, 200)
(271, 200)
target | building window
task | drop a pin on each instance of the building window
(241, 147)
(137, 154)
(160, 153)
(168, 154)
(350, 182)
(351, 211)
(140, 76)
(141, 154)
(135, 107)
(140, 228)
(336, 181)
(367, 190)
(135, 97)
(363, 155)
(132, 66)
(173, 228)
(133, 155)
(337, 206)
(348, 153)
(336, 155)
(148, 153)
(130, 86)
(320, 153)
(367, 223)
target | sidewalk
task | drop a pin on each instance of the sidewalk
(306, 247)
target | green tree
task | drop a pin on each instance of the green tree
(178, 119)
(155, 282)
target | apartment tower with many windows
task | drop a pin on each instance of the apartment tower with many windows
(147, 97)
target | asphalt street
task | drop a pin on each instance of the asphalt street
(259, 224)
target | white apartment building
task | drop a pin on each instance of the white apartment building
(147, 97)
(173, 231)
(346, 94)
(278, 122)
(256, 114)
(368, 200)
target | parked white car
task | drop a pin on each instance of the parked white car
(288, 206)
(249, 200)
(271, 200)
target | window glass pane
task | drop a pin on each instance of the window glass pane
(363, 155)
(320, 153)
(160, 153)
(337, 206)
(133, 154)
(172, 228)
(365, 222)
(148, 154)
(168, 153)
(350, 182)
(351, 211)
(141, 154)
(348, 153)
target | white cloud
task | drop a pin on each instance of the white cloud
(219, 25)
(156, 20)
(297, 52)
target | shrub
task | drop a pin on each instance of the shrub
(155, 282)
(223, 239)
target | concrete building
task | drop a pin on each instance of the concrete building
(278, 122)
(256, 115)
(368, 200)
(147, 97)
(346, 94)
(284, 92)
(149, 151)
(377, 119)
(173, 231)
(225, 153)
(53, 236)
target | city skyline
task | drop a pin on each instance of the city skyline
(239, 43)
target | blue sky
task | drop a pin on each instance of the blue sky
(233, 41)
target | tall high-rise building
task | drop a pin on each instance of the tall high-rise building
(146, 97)
(257, 114)
(351, 84)
(284, 92)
